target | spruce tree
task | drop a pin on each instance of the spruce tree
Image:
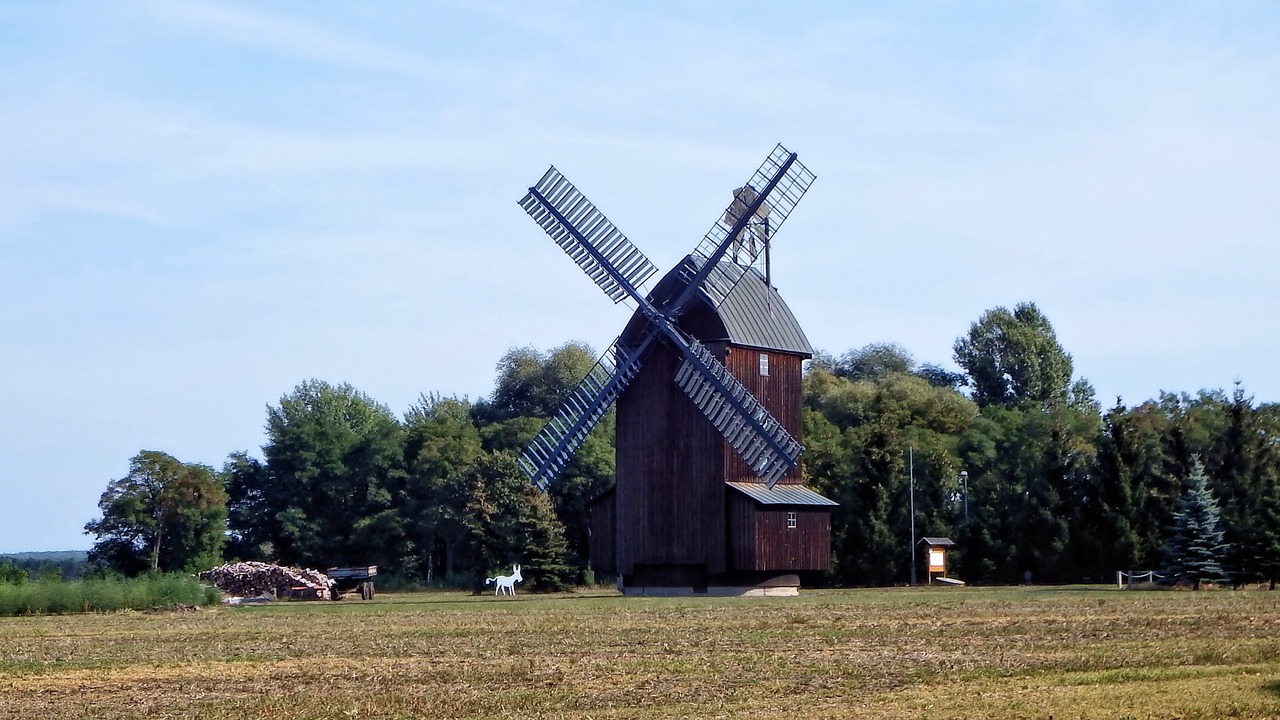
(546, 552)
(1195, 549)
(1241, 487)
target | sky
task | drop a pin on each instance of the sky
(203, 204)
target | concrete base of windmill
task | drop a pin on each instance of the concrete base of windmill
(778, 586)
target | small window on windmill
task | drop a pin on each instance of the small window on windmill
(791, 520)
(764, 364)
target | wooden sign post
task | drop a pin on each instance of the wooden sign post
(936, 552)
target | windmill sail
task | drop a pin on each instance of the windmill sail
(587, 236)
(759, 439)
(560, 438)
(757, 211)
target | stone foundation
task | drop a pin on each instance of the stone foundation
(780, 586)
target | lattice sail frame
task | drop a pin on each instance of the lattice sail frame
(767, 199)
(599, 248)
(553, 448)
(769, 451)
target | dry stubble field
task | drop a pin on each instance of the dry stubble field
(890, 653)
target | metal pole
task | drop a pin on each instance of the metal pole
(964, 477)
(911, 475)
(767, 278)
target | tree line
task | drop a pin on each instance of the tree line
(1013, 458)
(17, 568)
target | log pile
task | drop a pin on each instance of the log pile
(248, 579)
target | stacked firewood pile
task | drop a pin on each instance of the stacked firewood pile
(247, 579)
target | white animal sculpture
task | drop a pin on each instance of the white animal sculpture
(506, 584)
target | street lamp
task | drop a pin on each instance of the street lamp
(911, 485)
(964, 478)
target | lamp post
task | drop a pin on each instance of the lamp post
(911, 484)
(964, 478)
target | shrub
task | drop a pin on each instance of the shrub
(49, 574)
(11, 574)
(396, 582)
(103, 595)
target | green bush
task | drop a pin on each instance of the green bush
(11, 574)
(49, 574)
(103, 595)
(395, 582)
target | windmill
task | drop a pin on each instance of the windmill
(707, 472)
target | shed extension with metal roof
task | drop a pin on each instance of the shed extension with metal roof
(781, 494)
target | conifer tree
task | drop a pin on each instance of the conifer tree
(1195, 549)
(1269, 530)
(1242, 487)
(512, 522)
(545, 551)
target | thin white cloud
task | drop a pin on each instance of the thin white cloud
(290, 37)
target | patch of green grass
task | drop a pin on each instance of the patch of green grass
(102, 595)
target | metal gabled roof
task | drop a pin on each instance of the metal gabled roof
(782, 494)
(752, 315)
(755, 315)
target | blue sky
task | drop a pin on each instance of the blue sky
(204, 204)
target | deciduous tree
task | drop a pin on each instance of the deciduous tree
(509, 522)
(1014, 357)
(533, 384)
(163, 516)
(859, 434)
(327, 491)
(874, 361)
(443, 450)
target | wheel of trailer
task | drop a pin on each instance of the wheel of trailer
(366, 590)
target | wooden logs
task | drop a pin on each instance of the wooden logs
(249, 579)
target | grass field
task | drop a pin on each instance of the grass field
(891, 653)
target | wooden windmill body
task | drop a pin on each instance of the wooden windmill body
(709, 494)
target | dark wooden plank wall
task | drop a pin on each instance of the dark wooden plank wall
(670, 491)
(761, 541)
(742, 531)
(780, 392)
(601, 547)
(804, 547)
